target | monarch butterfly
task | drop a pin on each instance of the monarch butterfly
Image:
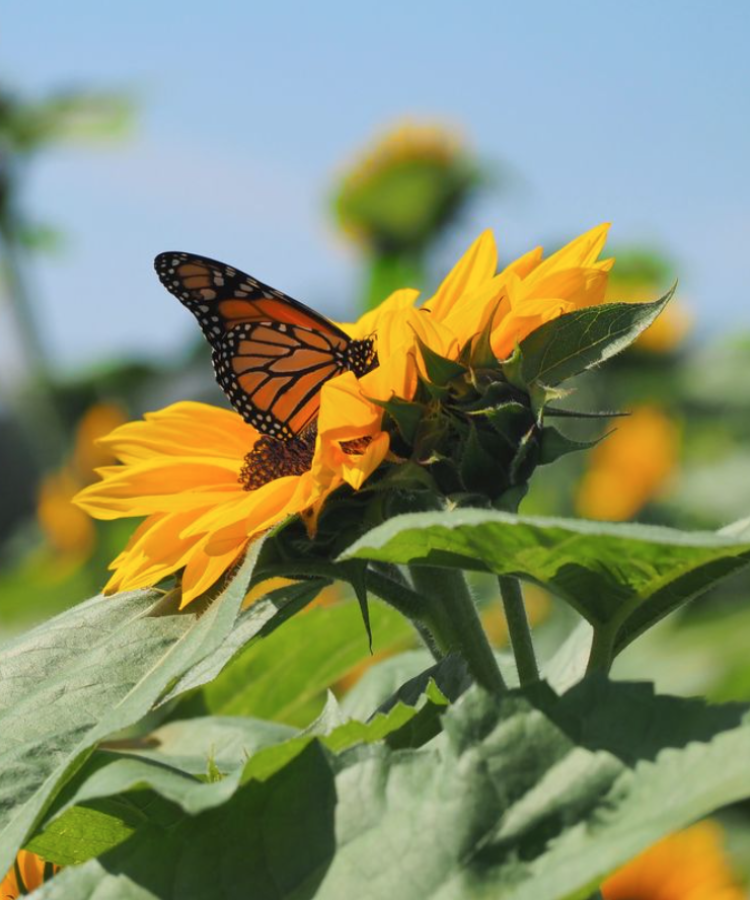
(271, 354)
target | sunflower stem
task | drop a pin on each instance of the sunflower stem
(451, 617)
(398, 595)
(602, 651)
(403, 594)
(519, 629)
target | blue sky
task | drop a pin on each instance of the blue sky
(635, 113)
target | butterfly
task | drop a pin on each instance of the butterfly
(271, 354)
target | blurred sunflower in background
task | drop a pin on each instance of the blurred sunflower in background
(640, 276)
(690, 865)
(68, 532)
(399, 195)
(630, 467)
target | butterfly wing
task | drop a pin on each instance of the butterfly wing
(272, 373)
(271, 353)
(221, 297)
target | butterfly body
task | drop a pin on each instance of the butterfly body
(271, 353)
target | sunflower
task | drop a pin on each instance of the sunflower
(207, 483)
(405, 186)
(689, 865)
(631, 467)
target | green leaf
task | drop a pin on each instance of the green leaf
(170, 762)
(450, 676)
(527, 796)
(622, 578)
(280, 677)
(383, 679)
(579, 340)
(567, 666)
(260, 620)
(89, 672)
(195, 745)
(87, 831)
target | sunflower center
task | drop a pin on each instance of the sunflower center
(356, 446)
(271, 458)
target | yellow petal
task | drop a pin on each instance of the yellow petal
(582, 252)
(203, 571)
(183, 429)
(160, 484)
(258, 511)
(344, 412)
(395, 376)
(469, 316)
(525, 264)
(370, 322)
(477, 265)
(155, 551)
(356, 468)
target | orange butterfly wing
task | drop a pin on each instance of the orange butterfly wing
(271, 353)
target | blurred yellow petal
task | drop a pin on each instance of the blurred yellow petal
(99, 420)
(66, 528)
(689, 865)
(631, 467)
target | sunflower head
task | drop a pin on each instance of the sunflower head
(448, 413)
(404, 188)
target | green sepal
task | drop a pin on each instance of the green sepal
(553, 444)
(356, 576)
(440, 370)
(406, 476)
(511, 421)
(511, 499)
(554, 412)
(406, 415)
(526, 458)
(491, 394)
(481, 469)
(478, 353)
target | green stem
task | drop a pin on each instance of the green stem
(390, 271)
(391, 586)
(519, 629)
(602, 650)
(451, 617)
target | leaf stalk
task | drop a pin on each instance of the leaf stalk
(451, 617)
(519, 629)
